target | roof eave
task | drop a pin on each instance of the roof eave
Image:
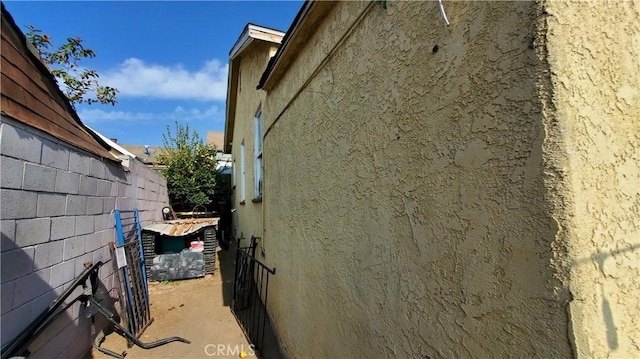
(250, 33)
(291, 45)
(230, 114)
(112, 144)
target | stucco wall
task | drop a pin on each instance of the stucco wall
(595, 81)
(57, 207)
(253, 60)
(405, 197)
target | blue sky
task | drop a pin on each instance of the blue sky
(167, 59)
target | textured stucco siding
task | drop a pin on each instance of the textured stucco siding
(404, 206)
(248, 218)
(595, 78)
(57, 206)
(310, 59)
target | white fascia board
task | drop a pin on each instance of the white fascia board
(255, 32)
(240, 44)
(113, 145)
(264, 34)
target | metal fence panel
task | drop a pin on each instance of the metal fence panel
(250, 294)
(131, 272)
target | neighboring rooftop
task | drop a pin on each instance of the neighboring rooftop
(215, 138)
(146, 154)
(116, 149)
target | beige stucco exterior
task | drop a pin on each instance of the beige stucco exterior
(593, 147)
(250, 63)
(461, 191)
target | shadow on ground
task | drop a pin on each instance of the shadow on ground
(198, 310)
(226, 264)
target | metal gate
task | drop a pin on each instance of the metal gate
(128, 261)
(250, 293)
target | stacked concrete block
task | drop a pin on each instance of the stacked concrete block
(209, 252)
(57, 204)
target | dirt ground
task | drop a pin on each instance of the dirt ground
(195, 309)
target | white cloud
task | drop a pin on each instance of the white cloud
(92, 116)
(135, 78)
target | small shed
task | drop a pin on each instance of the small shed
(180, 249)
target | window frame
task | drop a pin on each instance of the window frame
(258, 178)
(242, 173)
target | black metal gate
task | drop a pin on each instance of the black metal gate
(250, 293)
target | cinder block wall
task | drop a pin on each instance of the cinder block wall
(57, 206)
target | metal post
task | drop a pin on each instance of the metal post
(144, 270)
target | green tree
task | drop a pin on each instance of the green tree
(80, 85)
(191, 168)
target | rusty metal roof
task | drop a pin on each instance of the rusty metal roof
(30, 93)
(181, 227)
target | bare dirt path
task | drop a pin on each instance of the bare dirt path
(195, 309)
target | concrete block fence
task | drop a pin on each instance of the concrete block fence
(56, 213)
